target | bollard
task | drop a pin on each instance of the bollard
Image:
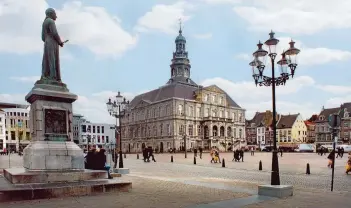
(171, 158)
(137, 156)
(308, 169)
(125, 155)
(223, 163)
(194, 160)
(260, 165)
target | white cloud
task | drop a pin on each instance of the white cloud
(243, 56)
(203, 36)
(85, 26)
(222, 1)
(254, 99)
(94, 108)
(164, 18)
(13, 98)
(30, 79)
(296, 17)
(335, 89)
(307, 55)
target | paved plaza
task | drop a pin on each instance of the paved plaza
(183, 184)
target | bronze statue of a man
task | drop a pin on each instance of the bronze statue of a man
(52, 41)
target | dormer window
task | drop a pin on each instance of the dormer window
(321, 118)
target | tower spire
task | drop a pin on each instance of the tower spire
(180, 67)
(180, 26)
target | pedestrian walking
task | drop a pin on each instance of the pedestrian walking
(330, 159)
(195, 152)
(281, 152)
(145, 155)
(348, 165)
(252, 151)
(242, 155)
(151, 154)
(200, 150)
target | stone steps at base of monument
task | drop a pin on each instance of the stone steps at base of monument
(21, 176)
(115, 175)
(18, 192)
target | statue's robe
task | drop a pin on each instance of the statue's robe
(51, 57)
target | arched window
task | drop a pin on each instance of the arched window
(229, 132)
(221, 131)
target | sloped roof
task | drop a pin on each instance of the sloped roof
(174, 90)
(257, 119)
(326, 112)
(287, 121)
(308, 123)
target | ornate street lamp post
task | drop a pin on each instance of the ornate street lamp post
(288, 60)
(115, 109)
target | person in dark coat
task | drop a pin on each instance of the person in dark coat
(200, 150)
(151, 154)
(195, 152)
(145, 155)
(242, 155)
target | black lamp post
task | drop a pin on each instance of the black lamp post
(258, 64)
(115, 108)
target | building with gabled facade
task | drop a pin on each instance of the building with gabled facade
(345, 127)
(182, 113)
(323, 131)
(259, 127)
(291, 130)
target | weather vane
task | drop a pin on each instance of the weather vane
(180, 24)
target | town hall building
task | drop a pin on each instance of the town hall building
(182, 114)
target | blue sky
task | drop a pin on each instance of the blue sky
(127, 46)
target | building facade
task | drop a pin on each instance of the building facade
(323, 130)
(345, 126)
(2, 130)
(97, 135)
(77, 124)
(17, 133)
(260, 129)
(251, 133)
(291, 130)
(311, 135)
(182, 114)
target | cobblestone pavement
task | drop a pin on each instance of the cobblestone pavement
(146, 193)
(183, 184)
(247, 171)
(293, 163)
(303, 199)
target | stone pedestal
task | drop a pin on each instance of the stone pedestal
(52, 147)
(279, 191)
(53, 156)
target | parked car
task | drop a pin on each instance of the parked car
(267, 148)
(304, 148)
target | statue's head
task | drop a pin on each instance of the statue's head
(50, 12)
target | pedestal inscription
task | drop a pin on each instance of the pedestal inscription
(55, 125)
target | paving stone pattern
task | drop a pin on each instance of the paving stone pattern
(146, 193)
